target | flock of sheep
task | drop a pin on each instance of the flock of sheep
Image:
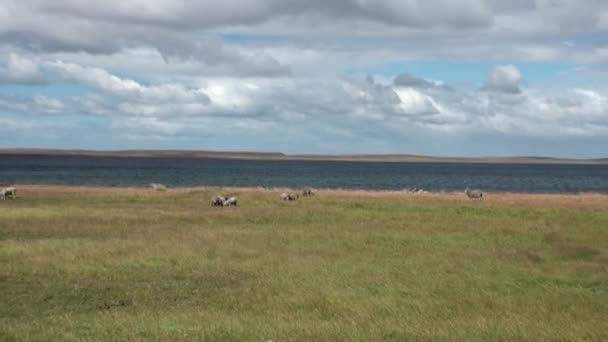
(233, 201)
(224, 201)
(294, 197)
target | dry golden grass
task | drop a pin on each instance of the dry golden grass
(583, 201)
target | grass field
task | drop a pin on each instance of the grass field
(120, 264)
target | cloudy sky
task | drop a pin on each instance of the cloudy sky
(439, 77)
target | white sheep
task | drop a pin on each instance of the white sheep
(289, 197)
(231, 202)
(218, 201)
(307, 192)
(9, 193)
(474, 194)
(158, 187)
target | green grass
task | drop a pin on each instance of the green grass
(168, 266)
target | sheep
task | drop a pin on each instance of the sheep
(158, 187)
(474, 194)
(231, 202)
(307, 192)
(218, 201)
(10, 192)
(289, 197)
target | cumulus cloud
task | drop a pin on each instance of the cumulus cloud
(126, 88)
(171, 26)
(338, 112)
(504, 79)
(415, 103)
(20, 70)
(182, 30)
(42, 27)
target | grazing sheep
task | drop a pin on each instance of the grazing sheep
(158, 187)
(231, 202)
(10, 192)
(474, 194)
(218, 201)
(289, 197)
(307, 192)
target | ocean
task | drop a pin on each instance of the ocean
(181, 172)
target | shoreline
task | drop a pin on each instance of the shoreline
(281, 188)
(595, 201)
(278, 156)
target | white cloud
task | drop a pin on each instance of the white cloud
(174, 27)
(20, 70)
(126, 88)
(505, 108)
(504, 79)
(415, 103)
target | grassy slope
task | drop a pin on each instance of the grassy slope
(157, 266)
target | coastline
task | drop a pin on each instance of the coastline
(278, 156)
(597, 201)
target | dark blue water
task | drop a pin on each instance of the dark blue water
(177, 172)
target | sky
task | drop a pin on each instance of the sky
(434, 77)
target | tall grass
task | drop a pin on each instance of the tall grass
(120, 265)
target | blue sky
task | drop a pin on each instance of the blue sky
(440, 77)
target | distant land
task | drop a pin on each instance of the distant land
(405, 158)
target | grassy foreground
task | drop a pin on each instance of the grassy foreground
(117, 264)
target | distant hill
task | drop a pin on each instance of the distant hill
(432, 159)
(281, 156)
(142, 153)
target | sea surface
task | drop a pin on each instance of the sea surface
(179, 172)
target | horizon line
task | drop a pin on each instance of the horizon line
(232, 154)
